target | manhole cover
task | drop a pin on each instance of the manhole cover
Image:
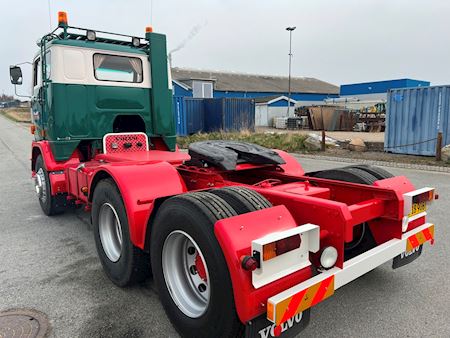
(23, 323)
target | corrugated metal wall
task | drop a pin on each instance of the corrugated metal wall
(414, 116)
(193, 115)
(380, 86)
(229, 114)
(189, 115)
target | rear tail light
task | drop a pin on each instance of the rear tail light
(426, 196)
(281, 246)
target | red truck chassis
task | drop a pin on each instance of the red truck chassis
(324, 212)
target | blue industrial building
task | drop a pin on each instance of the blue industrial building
(209, 84)
(378, 90)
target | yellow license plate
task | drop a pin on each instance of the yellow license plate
(417, 208)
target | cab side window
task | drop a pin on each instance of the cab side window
(48, 65)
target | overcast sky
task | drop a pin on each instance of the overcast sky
(339, 41)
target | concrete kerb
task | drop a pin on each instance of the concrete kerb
(377, 163)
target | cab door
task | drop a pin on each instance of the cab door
(36, 94)
(40, 99)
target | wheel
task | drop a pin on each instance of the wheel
(353, 175)
(379, 173)
(122, 262)
(242, 199)
(51, 205)
(363, 238)
(189, 268)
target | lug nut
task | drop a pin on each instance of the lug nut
(193, 270)
(202, 287)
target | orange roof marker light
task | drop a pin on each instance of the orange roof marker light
(62, 19)
(149, 29)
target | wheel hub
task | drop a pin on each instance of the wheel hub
(40, 185)
(200, 267)
(186, 274)
(110, 231)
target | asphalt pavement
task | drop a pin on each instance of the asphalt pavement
(50, 264)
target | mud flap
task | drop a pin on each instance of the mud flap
(406, 257)
(261, 327)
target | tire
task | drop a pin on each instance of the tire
(51, 205)
(365, 240)
(353, 175)
(242, 199)
(379, 173)
(182, 235)
(122, 262)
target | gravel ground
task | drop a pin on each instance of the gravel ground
(338, 135)
(50, 264)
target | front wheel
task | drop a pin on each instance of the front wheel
(50, 204)
(189, 268)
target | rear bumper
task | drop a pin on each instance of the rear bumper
(302, 296)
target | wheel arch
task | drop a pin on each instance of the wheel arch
(99, 175)
(151, 219)
(142, 188)
(35, 152)
(44, 149)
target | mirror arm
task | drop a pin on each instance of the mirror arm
(18, 95)
(24, 63)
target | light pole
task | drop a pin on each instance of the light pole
(290, 30)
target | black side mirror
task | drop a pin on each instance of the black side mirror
(15, 74)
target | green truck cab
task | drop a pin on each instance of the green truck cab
(88, 83)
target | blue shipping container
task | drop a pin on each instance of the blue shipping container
(414, 116)
(229, 114)
(189, 115)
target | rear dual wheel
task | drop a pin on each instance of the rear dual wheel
(362, 174)
(189, 268)
(122, 262)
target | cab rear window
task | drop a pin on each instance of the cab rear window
(117, 68)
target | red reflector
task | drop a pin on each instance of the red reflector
(281, 246)
(417, 222)
(249, 263)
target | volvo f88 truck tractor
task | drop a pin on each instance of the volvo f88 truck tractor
(239, 239)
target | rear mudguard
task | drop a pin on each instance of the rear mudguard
(291, 167)
(235, 236)
(140, 185)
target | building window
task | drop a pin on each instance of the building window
(202, 89)
(117, 68)
(207, 89)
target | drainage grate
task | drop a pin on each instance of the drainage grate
(23, 323)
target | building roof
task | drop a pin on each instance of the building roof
(272, 99)
(241, 82)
